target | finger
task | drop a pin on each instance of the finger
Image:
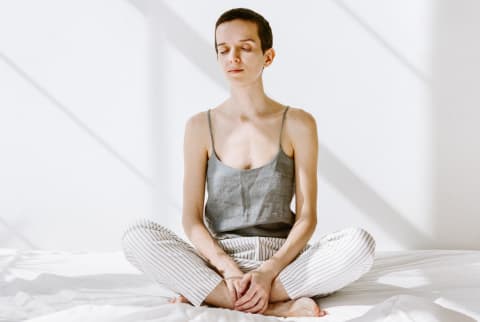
(265, 307)
(245, 281)
(240, 289)
(250, 304)
(246, 297)
(246, 278)
(258, 306)
(233, 293)
(236, 293)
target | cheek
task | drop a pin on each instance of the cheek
(251, 59)
(258, 64)
(222, 62)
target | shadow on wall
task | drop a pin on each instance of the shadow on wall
(12, 233)
(166, 25)
(455, 175)
(166, 28)
(369, 202)
(455, 124)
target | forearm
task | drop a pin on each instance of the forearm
(209, 249)
(297, 239)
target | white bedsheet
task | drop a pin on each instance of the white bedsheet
(40, 286)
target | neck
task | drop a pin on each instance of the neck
(249, 100)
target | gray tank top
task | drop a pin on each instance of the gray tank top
(250, 202)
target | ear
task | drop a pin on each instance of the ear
(268, 57)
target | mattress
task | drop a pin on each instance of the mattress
(48, 285)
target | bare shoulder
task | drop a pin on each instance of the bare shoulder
(197, 120)
(300, 122)
(196, 130)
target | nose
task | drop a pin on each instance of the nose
(234, 57)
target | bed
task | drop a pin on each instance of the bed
(41, 286)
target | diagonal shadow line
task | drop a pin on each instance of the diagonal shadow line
(182, 37)
(369, 202)
(77, 121)
(396, 53)
(97, 138)
(17, 234)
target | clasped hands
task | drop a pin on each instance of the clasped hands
(250, 292)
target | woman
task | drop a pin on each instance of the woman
(250, 249)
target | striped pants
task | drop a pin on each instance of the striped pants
(321, 268)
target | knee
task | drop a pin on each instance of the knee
(366, 241)
(363, 244)
(144, 231)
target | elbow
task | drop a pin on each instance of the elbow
(309, 223)
(189, 223)
(312, 224)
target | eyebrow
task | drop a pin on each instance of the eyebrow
(242, 40)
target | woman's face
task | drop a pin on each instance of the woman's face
(239, 51)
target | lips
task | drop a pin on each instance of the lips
(235, 70)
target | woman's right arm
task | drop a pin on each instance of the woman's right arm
(196, 139)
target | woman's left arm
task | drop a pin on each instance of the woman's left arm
(302, 131)
(256, 285)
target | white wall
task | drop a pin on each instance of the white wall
(91, 123)
(74, 123)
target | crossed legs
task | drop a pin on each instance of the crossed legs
(322, 268)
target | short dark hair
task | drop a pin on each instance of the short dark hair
(263, 27)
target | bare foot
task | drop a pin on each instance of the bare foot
(303, 306)
(179, 299)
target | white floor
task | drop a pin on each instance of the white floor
(431, 285)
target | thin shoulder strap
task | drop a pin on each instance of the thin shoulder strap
(210, 128)
(281, 127)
